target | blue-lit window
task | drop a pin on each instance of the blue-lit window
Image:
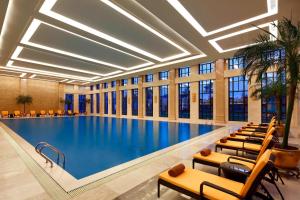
(206, 68)
(149, 101)
(92, 103)
(98, 86)
(124, 102)
(236, 63)
(184, 72)
(98, 103)
(268, 105)
(134, 80)
(184, 100)
(277, 55)
(206, 99)
(163, 100)
(135, 101)
(105, 102)
(238, 98)
(91, 87)
(113, 102)
(105, 85)
(124, 82)
(164, 75)
(69, 102)
(81, 103)
(149, 78)
(113, 84)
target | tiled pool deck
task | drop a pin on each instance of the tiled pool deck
(21, 178)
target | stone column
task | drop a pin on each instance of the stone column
(94, 103)
(140, 97)
(118, 99)
(76, 100)
(129, 101)
(172, 95)
(194, 96)
(254, 105)
(101, 100)
(155, 97)
(219, 91)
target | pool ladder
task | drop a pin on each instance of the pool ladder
(44, 145)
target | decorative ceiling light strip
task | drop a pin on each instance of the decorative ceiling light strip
(214, 43)
(71, 81)
(46, 10)
(15, 57)
(155, 66)
(36, 23)
(64, 80)
(35, 71)
(7, 17)
(32, 76)
(22, 75)
(272, 6)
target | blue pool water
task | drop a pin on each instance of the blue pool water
(93, 144)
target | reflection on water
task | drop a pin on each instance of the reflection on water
(93, 144)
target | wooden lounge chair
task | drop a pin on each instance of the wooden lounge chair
(59, 113)
(43, 113)
(4, 114)
(214, 159)
(17, 113)
(51, 112)
(243, 146)
(260, 129)
(202, 185)
(70, 112)
(254, 133)
(252, 125)
(32, 113)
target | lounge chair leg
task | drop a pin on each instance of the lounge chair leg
(267, 192)
(193, 164)
(158, 189)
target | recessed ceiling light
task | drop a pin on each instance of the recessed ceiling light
(36, 23)
(22, 75)
(48, 5)
(214, 43)
(272, 6)
(32, 76)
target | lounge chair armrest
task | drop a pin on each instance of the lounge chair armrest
(206, 183)
(241, 159)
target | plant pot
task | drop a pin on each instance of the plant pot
(280, 130)
(286, 158)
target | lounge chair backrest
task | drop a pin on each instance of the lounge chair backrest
(272, 123)
(32, 112)
(69, 112)
(258, 172)
(17, 112)
(264, 147)
(59, 112)
(50, 112)
(269, 133)
(4, 113)
(43, 112)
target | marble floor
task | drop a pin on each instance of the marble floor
(20, 181)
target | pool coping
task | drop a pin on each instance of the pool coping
(69, 183)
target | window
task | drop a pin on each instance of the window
(124, 82)
(184, 100)
(206, 68)
(268, 105)
(97, 86)
(149, 78)
(277, 55)
(124, 102)
(113, 84)
(105, 85)
(163, 100)
(206, 99)
(149, 101)
(92, 103)
(69, 102)
(236, 63)
(81, 104)
(164, 75)
(91, 87)
(135, 101)
(98, 103)
(184, 72)
(238, 98)
(105, 102)
(134, 80)
(113, 102)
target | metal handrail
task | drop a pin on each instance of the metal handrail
(42, 145)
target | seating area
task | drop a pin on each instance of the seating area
(238, 176)
(41, 113)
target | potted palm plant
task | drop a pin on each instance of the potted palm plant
(24, 99)
(277, 90)
(258, 63)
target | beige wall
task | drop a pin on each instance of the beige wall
(45, 94)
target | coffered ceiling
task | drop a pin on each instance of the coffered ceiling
(82, 42)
